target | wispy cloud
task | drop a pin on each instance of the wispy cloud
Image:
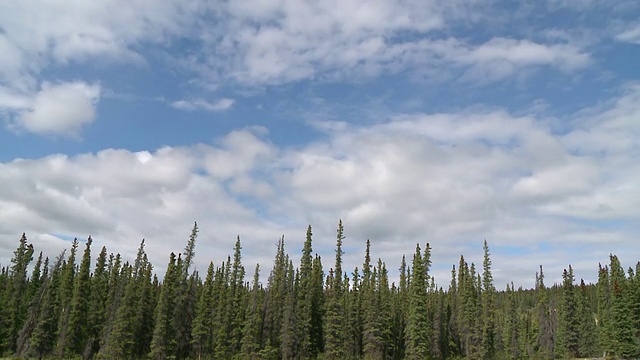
(218, 105)
(328, 41)
(631, 35)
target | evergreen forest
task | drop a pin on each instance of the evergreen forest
(75, 306)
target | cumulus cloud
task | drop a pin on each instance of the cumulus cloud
(535, 195)
(61, 34)
(60, 108)
(219, 105)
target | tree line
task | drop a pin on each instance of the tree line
(58, 309)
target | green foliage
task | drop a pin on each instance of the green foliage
(568, 326)
(123, 311)
(78, 332)
(334, 329)
(417, 336)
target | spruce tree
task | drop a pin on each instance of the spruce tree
(605, 321)
(65, 295)
(373, 345)
(304, 304)
(237, 298)
(275, 296)
(116, 285)
(568, 337)
(545, 333)
(43, 337)
(34, 297)
(587, 325)
(417, 337)
(625, 344)
(452, 326)
(13, 314)
(202, 331)
(78, 332)
(145, 311)
(122, 340)
(163, 342)
(288, 338)
(488, 302)
(185, 297)
(251, 333)
(385, 316)
(317, 307)
(334, 330)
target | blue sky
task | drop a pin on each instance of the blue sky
(413, 121)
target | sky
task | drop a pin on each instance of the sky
(413, 121)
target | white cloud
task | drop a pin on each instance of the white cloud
(256, 43)
(631, 35)
(60, 108)
(219, 105)
(63, 33)
(490, 175)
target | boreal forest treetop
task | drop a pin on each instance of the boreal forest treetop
(414, 121)
(59, 309)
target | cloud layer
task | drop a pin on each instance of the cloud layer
(452, 179)
(257, 43)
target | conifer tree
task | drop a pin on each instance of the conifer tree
(145, 311)
(511, 327)
(373, 346)
(116, 284)
(78, 316)
(34, 297)
(37, 278)
(634, 300)
(251, 332)
(545, 338)
(163, 342)
(65, 295)
(385, 318)
(417, 332)
(275, 296)
(189, 249)
(317, 307)
(400, 306)
(288, 339)
(237, 299)
(488, 303)
(353, 311)
(625, 344)
(334, 331)
(605, 323)
(224, 303)
(453, 336)
(122, 340)
(43, 337)
(586, 325)
(304, 304)
(13, 314)
(185, 297)
(202, 331)
(568, 337)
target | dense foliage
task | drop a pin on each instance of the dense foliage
(119, 310)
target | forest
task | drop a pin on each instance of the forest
(65, 308)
